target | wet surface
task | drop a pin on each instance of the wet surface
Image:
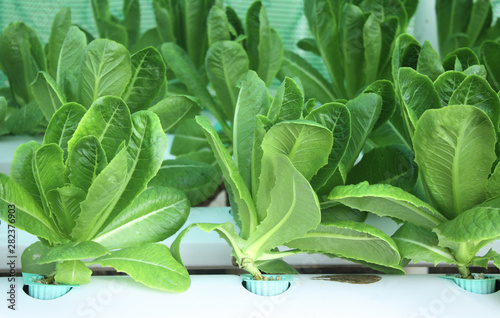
(350, 279)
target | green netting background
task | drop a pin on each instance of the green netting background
(286, 16)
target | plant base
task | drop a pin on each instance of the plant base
(44, 291)
(484, 285)
(275, 285)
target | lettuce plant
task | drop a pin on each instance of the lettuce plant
(82, 73)
(84, 194)
(489, 52)
(355, 40)
(181, 22)
(69, 70)
(464, 23)
(205, 46)
(21, 57)
(185, 24)
(232, 49)
(455, 152)
(354, 157)
(422, 81)
(276, 153)
(73, 70)
(430, 92)
(125, 31)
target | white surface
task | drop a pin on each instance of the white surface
(425, 23)
(412, 296)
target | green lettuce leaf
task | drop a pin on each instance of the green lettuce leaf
(149, 264)
(387, 200)
(455, 150)
(155, 215)
(106, 70)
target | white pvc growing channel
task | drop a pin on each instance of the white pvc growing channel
(412, 296)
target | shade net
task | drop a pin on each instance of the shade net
(286, 16)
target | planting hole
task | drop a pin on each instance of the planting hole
(483, 285)
(43, 295)
(266, 288)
